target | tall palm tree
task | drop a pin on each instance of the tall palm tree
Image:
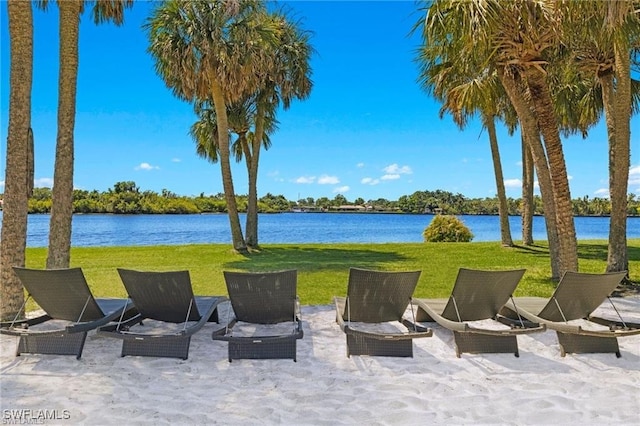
(605, 53)
(286, 76)
(533, 146)
(527, 35)
(515, 37)
(463, 91)
(208, 51)
(15, 202)
(62, 196)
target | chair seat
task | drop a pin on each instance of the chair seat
(372, 313)
(471, 311)
(69, 311)
(168, 314)
(569, 313)
(266, 320)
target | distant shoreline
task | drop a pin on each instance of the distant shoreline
(317, 212)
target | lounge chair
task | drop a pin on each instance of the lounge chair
(70, 312)
(569, 310)
(166, 297)
(478, 296)
(267, 303)
(372, 313)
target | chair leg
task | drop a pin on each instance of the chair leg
(166, 347)
(359, 345)
(484, 343)
(575, 343)
(53, 344)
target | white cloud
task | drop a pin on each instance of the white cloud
(176, 160)
(634, 176)
(360, 165)
(146, 166)
(43, 183)
(470, 160)
(369, 181)
(328, 180)
(37, 183)
(394, 169)
(512, 183)
(602, 192)
(305, 179)
(341, 189)
(390, 177)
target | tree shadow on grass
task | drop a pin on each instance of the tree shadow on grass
(600, 252)
(586, 251)
(536, 250)
(313, 258)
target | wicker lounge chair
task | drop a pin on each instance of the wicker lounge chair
(166, 297)
(374, 308)
(70, 312)
(267, 301)
(478, 296)
(569, 309)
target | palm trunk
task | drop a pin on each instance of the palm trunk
(515, 91)
(225, 167)
(542, 104)
(252, 167)
(527, 193)
(619, 161)
(62, 195)
(503, 208)
(14, 219)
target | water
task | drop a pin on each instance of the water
(289, 228)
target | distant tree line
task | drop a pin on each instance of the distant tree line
(127, 198)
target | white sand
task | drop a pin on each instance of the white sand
(326, 387)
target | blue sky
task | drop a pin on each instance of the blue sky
(367, 130)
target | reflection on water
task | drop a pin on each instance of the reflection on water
(123, 230)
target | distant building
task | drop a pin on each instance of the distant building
(352, 208)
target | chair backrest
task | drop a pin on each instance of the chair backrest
(379, 296)
(62, 293)
(263, 297)
(162, 296)
(479, 295)
(579, 294)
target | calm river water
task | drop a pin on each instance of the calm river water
(123, 230)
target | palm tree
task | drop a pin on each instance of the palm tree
(62, 197)
(605, 53)
(534, 147)
(527, 36)
(15, 202)
(287, 76)
(208, 51)
(464, 91)
(515, 39)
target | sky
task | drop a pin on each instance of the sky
(368, 130)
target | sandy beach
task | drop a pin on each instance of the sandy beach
(324, 386)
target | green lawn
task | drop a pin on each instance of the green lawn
(323, 268)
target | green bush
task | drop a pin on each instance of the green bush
(446, 228)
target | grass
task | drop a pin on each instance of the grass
(323, 268)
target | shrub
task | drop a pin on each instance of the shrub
(446, 228)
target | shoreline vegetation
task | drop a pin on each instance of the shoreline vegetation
(127, 198)
(323, 268)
